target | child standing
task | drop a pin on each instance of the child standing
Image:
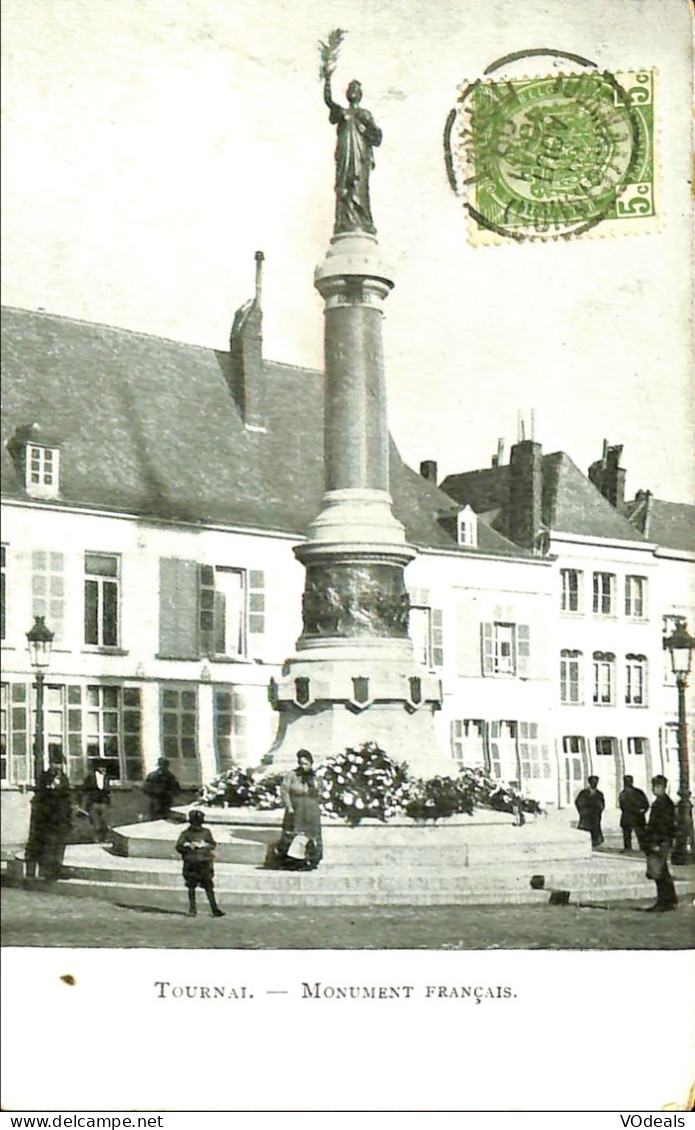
(197, 848)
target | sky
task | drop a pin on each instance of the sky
(151, 147)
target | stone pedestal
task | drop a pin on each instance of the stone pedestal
(354, 678)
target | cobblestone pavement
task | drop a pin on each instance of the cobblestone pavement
(40, 918)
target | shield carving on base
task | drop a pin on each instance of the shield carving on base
(361, 697)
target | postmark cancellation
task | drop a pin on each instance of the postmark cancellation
(556, 156)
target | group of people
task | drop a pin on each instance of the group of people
(300, 846)
(51, 815)
(654, 833)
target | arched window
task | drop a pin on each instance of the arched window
(636, 680)
(604, 678)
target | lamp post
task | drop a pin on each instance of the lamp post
(39, 639)
(680, 644)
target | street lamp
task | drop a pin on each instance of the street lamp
(39, 639)
(680, 645)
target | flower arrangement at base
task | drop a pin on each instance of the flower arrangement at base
(233, 788)
(493, 793)
(266, 792)
(362, 784)
(438, 797)
(365, 783)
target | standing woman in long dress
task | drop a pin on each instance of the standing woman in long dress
(300, 797)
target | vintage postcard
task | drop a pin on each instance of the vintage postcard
(347, 556)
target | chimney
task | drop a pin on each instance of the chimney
(498, 459)
(246, 349)
(428, 470)
(608, 476)
(524, 508)
(642, 514)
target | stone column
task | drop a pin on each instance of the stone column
(353, 678)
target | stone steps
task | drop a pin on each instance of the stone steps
(469, 861)
(170, 897)
(239, 877)
(90, 871)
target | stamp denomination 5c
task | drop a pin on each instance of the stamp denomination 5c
(557, 156)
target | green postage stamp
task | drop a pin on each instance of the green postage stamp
(558, 156)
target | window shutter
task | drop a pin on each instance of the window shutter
(178, 608)
(523, 650)
(487, 648)
(19, 771)
(256, 602)
(467, 640)
(437, 638)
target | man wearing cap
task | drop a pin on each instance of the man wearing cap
(96, 798)
(633, 805)
(659, 837)
(590, 803)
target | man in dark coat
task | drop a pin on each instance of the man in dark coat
(633, 808)
(659, 836)
(50, 822)
(160, 787)
(590, 803)
(96, 798)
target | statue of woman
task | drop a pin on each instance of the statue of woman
(358, 135)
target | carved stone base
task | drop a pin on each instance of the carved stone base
(329, 728)
(330, 700)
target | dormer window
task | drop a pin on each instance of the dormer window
(36, 456)
(467, 527)
(42, 469)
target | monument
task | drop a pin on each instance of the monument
(354, 678)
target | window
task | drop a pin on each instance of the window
(207, 610)
(101, 599)
(3, 590)
(573, 744)
(571, 590)
(604, 594)
(113, 730)
(47, 589)
(468, 741)
(503, 751)
(574, 766)
(670, 747)
(222, 611)
(606, 747)
(534, 759)
(604, 678)
(636, 680)
(426, 628)
(571, 688)
(179, 723)
(636, 597)
(42, 466)
(231, 719)
(467, 527)
(505, 649)
(638, 747)
(15, 740)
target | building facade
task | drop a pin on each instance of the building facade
(152, 494)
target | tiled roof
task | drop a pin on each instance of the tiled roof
(669, 524)
(571, 504)
(149, 426)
